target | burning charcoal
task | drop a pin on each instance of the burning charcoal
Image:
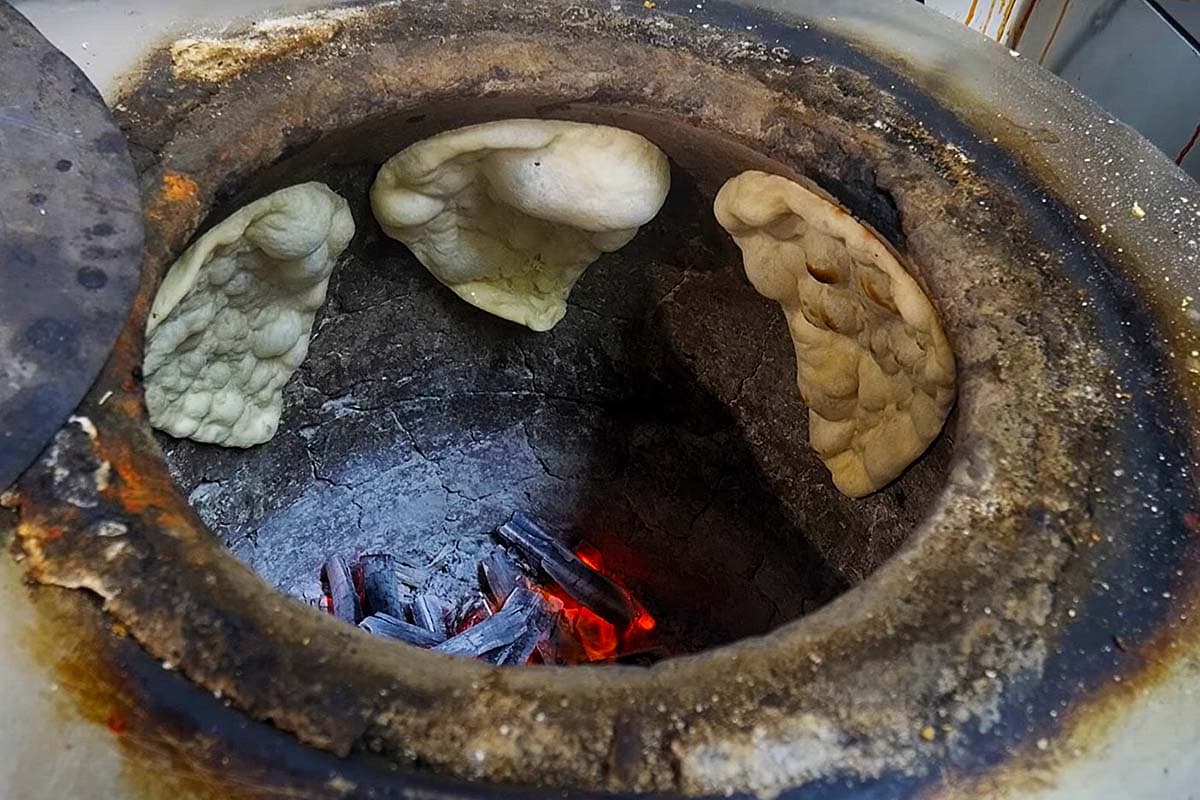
(577, 579)
(547, 646)
(541, 619)
(499, 630)
(568, 649)
(500, 576)
(390, 627)
(529, 538)
(517, 653)
(493, 633)
(548, 642)
(381, 590)
(591, 589)
(430, 613)
(339, 585)
(471, 610)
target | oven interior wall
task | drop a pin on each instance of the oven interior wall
(658, 422)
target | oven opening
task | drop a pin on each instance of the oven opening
(641, 472)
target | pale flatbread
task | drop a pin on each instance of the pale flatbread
(509, 214)
(232, 318)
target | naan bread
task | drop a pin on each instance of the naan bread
(872, 362)
(509, 214)
(232, 318)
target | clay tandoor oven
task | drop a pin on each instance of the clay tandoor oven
(1037, 563)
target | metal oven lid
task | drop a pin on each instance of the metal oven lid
(70, 239)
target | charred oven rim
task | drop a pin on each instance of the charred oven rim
(1017, 475)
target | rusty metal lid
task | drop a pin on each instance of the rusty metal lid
(70, 239)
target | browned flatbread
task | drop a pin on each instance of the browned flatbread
(872, 362)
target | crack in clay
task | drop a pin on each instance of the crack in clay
(776, 609)
(438, 466)
(604, 315)
(342, 391)
(335, 310)
(462, 494)
(529, 373)
(670, 295)
(420, 451)
(709, 503)
(511, 393)
(538, 456)
(328, 481)
(535, 393)
(352, 312)
(637, 515)
(762, 359)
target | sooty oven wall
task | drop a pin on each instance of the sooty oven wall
(659, 422)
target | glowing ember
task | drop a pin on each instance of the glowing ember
(565, 626)
(642, 618)
(590, 556)
(598, 639)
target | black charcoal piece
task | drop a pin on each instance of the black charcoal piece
(339, 585)
(386, 625)
(497, 631)
(548, 645)
(429, 612)
(577, 579)
(591, 589)
(493, 633)
(540, 621)
(528, 537)
(500, 576)
(568, 647)
(381, 587)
